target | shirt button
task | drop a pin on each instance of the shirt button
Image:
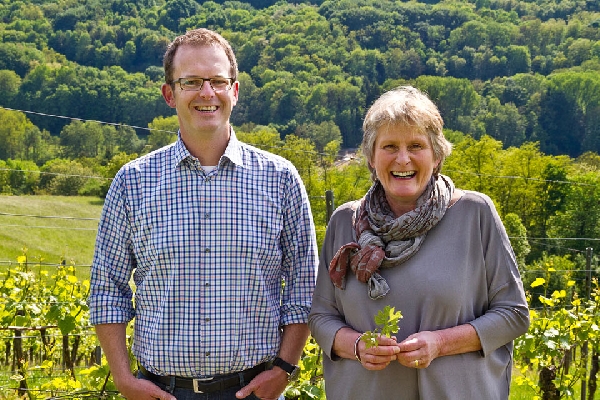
(207, 353)
(207, 250)
(207, 284)
(206, 215)
(207, 319)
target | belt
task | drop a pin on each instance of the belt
(207, 385)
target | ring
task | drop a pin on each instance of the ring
(416, 363)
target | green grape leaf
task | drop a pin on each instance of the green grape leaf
(387, 323)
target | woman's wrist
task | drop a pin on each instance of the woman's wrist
(356, 351)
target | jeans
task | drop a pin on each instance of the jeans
(188, 394)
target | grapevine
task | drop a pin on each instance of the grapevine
(387, 324)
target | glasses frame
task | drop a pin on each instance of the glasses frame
(229, 86)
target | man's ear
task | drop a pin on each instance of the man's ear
(168, 95)
(236, 92)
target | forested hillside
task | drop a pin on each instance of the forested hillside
(518, 71)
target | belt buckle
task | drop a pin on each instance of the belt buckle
(197, 381)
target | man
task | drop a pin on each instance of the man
(220, 241)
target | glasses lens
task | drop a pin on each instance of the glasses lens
(219, 84)
(191, 83)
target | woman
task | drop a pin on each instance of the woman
(439, 255)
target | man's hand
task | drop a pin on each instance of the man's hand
(267, 385)
(142, 389)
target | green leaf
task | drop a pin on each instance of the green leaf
(67, 325)
(387, 323)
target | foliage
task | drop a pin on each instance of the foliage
(41, 298)
(310, 384)
(517, 71)
(565, 323)
(387, 323)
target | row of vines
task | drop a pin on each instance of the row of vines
(48, 349)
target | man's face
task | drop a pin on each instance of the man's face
(203, 112)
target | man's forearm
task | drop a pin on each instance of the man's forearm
(113, 339)
(293, 342)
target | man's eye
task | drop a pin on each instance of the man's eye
(218, 82)
(192, 82)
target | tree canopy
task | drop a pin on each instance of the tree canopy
(514, 70)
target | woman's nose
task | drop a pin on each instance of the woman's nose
(402, 157)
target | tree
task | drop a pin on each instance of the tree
(519, 170)
(517, 235)
(9, 85)
(472, 163)
(579, 51)
(163, 131)
(84, 139)
(13, 130)
(580, 215)
(518, 60)
(176, 10)
(454, 97)
(128, 141)
(552, 194)
(320, 134)
(343, 103)
(19, 57)
(38, 146)
(561, 117)
(22, 177)
(64, 177)
(504, 122)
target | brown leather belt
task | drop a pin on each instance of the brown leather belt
(208, 385)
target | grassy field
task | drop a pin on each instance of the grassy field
(52, 228)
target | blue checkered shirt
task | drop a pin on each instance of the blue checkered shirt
(208, 254)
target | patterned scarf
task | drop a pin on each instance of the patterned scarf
(385, 241)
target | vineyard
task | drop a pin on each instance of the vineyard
(49, 351)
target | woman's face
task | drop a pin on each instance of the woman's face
(404, 162)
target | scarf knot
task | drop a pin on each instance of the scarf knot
(385, 241)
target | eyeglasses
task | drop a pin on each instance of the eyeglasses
(195, 84)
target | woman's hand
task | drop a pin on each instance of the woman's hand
(377, 357)
(419, 349)
(424, 347)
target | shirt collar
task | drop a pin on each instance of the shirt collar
(233, 151)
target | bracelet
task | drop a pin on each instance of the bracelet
(356, 347)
